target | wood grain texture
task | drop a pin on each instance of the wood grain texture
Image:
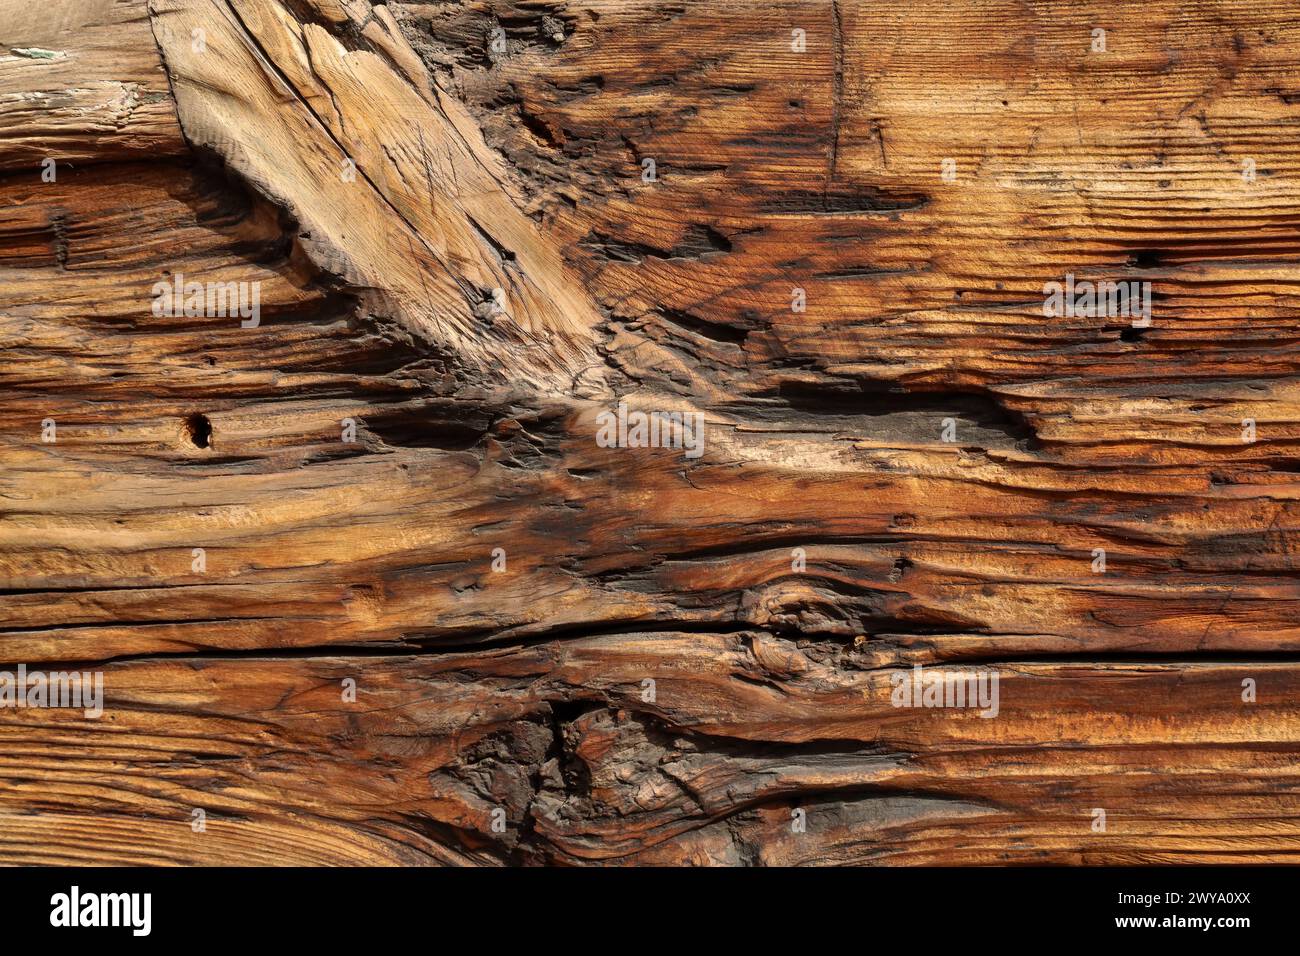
(496, 275)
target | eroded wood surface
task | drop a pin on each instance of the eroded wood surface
(524, 690)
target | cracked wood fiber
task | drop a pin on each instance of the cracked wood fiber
(495, 275)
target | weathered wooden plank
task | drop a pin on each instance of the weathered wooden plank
(640, 655)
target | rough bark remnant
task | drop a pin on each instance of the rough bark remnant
(569, 653)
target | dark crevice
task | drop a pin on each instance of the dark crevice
(1146, 259)
(697, 242)
(756, 544)
(884, 411)
(99, 625)
(420, 646)
(840, 202)
(1106, 658)
(446, 425)
(714, 331)
(198, 430)
(530, 635)
(540, 128)
(499, 251)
